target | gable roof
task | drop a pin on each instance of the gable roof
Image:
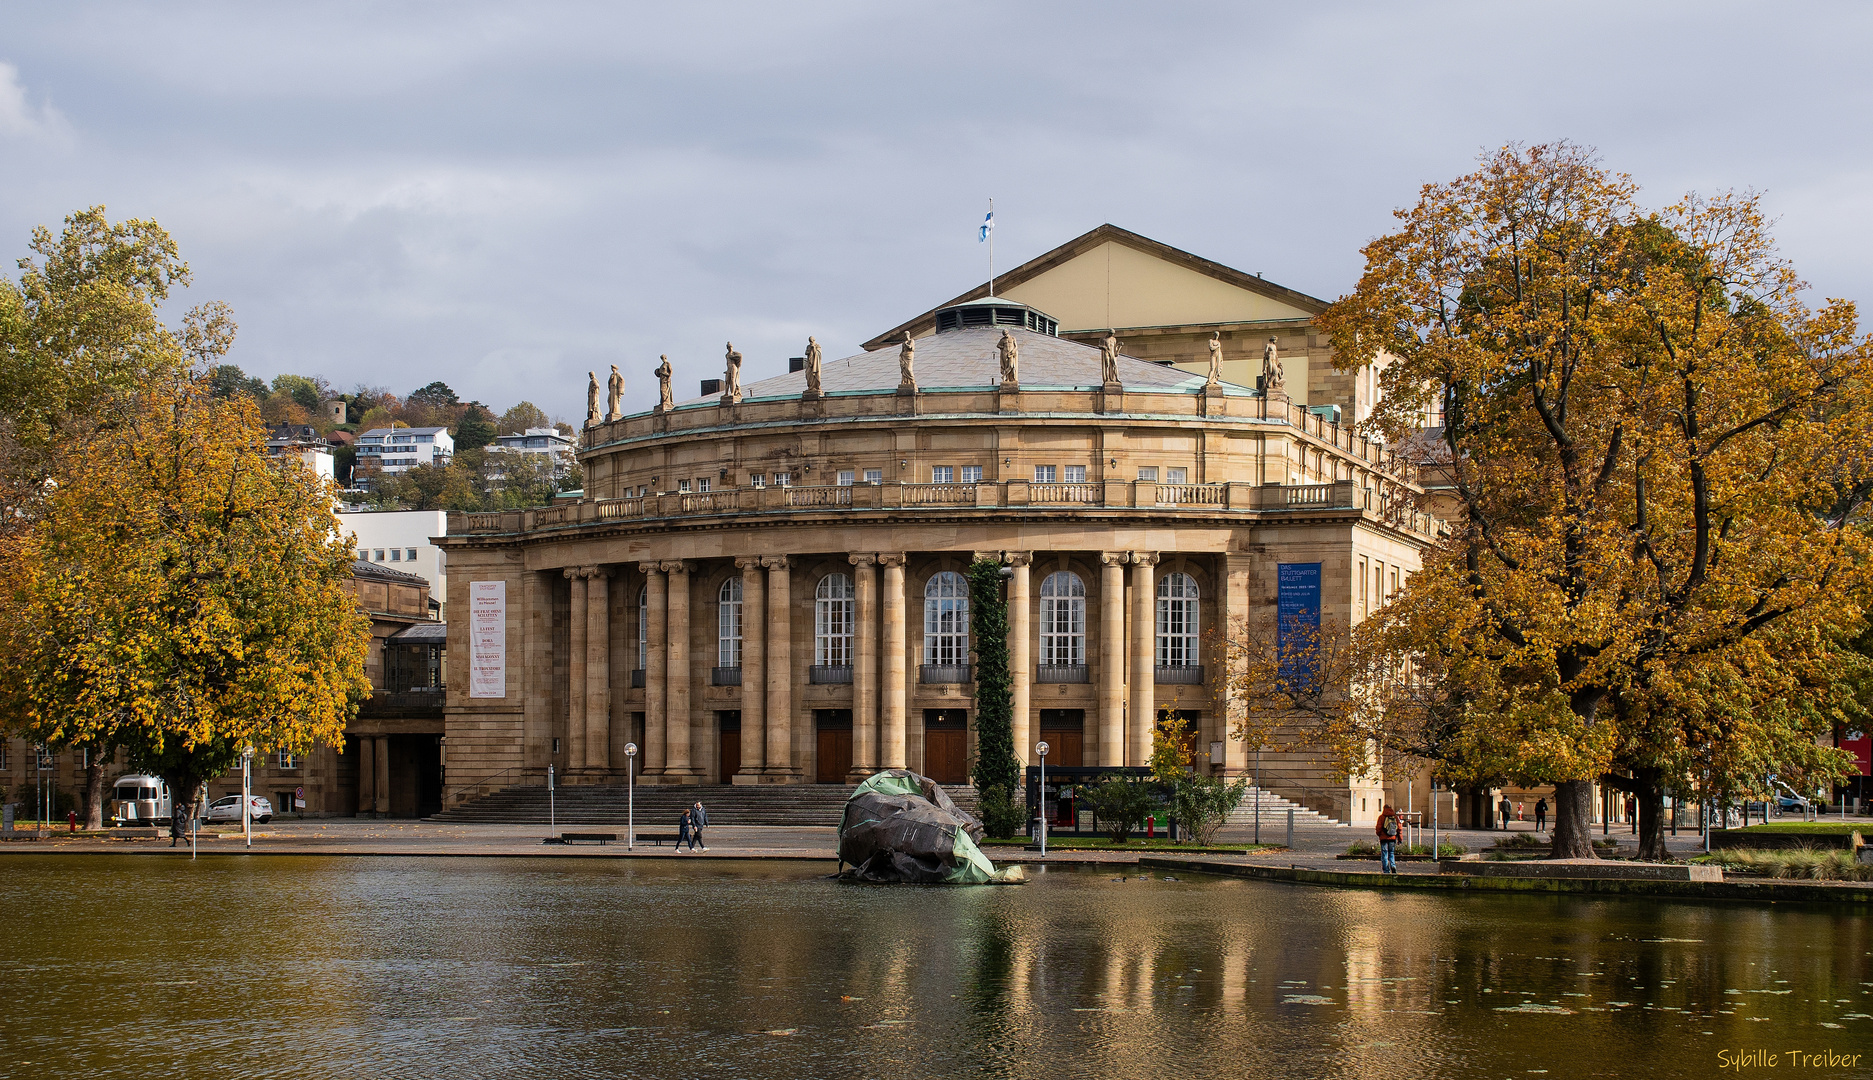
(1088, 242)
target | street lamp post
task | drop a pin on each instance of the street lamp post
(1041, 749)
(552, 806)
(630, 796)
(247, 794)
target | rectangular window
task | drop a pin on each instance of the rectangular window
(378, 555)
(972, 474)
(1394, 591)
(1044, 474)
(757, 480)
(942, 474)
(682, 486)
(1076, 474)
(1176, 476)
(411, 557)
(287, 760)
(782, 479)
(846, 477)
(702, 484)
(874, 476)
(1362, 588)
(1148, 473)
(1378, 583)
(396, 554)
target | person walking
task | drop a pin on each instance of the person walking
(1519, 804)
(1541, 814)
(175, 828)
(698, 817)
(682, 833)
(1388, 828)
(1503, 810)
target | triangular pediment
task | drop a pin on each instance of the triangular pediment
(1110, 277)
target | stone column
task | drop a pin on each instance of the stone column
(576, 684)
(383, 776)
(1020, 666)
(891, 750)
(753, 671)
(779, 763)
(1144, 650)
(676, 740)
(598, 670)
(656, 614)
(865, 670)
(1112, 658)
(367, 775)
(1235, 628)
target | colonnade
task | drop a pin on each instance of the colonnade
(880, 675)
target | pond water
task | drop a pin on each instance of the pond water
(132, 966)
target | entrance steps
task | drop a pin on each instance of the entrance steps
(658, 807)
(1274, 813)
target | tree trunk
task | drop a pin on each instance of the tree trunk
(1573, 820)
(1650, 791)
(94, 790)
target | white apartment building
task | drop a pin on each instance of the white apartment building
(539, 440)
(400, 539)
(397, 450)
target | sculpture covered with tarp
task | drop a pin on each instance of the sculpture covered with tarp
(900, 826)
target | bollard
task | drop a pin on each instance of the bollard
(1290, 828)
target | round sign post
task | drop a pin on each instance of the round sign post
(1041, 748)
(630, 796)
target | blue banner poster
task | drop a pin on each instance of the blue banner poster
(1297, 621)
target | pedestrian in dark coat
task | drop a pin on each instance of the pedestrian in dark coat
(1541, 814)
(682, 832)
(698, 817)
(1505, 808)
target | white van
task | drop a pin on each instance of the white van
(139, 800)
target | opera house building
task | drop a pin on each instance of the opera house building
(763, 585)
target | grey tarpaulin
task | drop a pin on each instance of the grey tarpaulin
(900, 826)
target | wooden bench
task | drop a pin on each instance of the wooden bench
(659, 839)
(600, 838)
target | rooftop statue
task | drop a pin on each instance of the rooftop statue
(1271, 368)
(813, 360)
(732, 392)
(614, 395)
(1011, 359)
(1109, 356)
(591, 398)
(906, 362)
(1216, 358)
(663, 384)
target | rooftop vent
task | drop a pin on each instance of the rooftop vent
(992, 312)
(711, 386)
(796, 363)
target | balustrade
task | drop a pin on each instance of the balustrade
(1086, 494)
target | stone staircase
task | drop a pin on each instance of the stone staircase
(1274, 813)
(658, 807)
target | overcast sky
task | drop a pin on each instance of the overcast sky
(502, 196)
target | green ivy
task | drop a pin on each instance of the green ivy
(995, 765)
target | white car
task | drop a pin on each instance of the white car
(228, 808)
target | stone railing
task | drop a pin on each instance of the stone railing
(1394, 505)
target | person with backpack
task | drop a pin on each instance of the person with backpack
(1389, 827)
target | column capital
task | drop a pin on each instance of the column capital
(675, 566)
(1018, 558)
(748, 562)
(649, 568)
(892, 559)
(1114, 558)
(571, 572)
(774, 562)
(862, 560)
(1144, 558)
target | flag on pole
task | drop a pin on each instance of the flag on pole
(988, 226)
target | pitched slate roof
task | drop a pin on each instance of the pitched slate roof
(962, 359)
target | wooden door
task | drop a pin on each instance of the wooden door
(835, 755)
(1066, 747)
(946, 756)
(730, 754)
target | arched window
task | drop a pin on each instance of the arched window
(728, 624)
(1063, 620)
(946, 620)
(832, 621)
(643, 627)
(1177, 621)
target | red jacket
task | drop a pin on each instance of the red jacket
(1398, 828)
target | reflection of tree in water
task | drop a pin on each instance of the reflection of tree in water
(990, 989)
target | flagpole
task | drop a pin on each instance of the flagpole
(991, 249)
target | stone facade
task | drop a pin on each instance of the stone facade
(754, 592)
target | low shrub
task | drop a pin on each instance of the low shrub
(1120, 805)
(1001, 815)
(1793, 863)
(1363, 847)
(1445, 850)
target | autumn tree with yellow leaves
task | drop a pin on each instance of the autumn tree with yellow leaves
(164, 585)
(1662, 457)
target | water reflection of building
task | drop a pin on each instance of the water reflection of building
(765, 587)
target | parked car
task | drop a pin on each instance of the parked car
(228, 808)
